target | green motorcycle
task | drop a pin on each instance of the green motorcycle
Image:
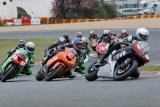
(14, 65)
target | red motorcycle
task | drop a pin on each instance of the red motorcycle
(93, 43)
(101, 48)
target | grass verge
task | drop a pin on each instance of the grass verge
(153, 68)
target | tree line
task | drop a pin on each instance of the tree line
(82, 9)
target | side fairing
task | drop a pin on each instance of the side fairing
(107, 70)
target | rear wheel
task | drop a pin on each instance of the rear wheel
(9, 73)
(53, 74)
(124, 69)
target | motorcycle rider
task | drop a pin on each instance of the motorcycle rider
(67, 39)
(53, 49)
(142, 35)
(106, 37)
(81, 54)
(124, 35)
(21, 44)
(79, 35)
(85, 44)
(93, 35)
(29, 49)
(62, 40)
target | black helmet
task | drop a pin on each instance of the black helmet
(66, 36)
(21, 43)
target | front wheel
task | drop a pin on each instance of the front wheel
(53, 74)
(91, 76)
(9, 73)
(40, 75)
(124, 69)
(135, 74)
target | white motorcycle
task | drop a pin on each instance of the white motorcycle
(122, 63)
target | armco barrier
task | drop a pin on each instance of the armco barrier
(26, 21)
(50, 20)
(35, 22)
(17, 22)
(9, 22)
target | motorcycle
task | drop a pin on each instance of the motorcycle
(15, 66)
(57, 66)
(122, 63)
(93, 43)
(101, 48)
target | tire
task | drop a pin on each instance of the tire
(54, 73)
(9, 74)
(91, 76)
(40, 75)
(135, 74)
(125, 75)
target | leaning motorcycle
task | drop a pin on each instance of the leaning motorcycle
(122, 63)
(16, 64)
(58, 66)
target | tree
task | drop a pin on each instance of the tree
(82, 9)
(73, 8)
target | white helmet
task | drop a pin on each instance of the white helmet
(84, 40)
(79, 34)
(106, 32)
(91, 32)
(124, 31)
(142, 34)
(61, 39)
(30, 47)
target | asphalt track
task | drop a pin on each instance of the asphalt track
(27, 92)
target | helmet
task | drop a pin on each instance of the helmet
(78, 43)
(77, 40)
(61, 39)
(73, 51)
(124, 31)
(142, 34)
(79, 34)
(106, 32)
(66, 36)
(30, 47)
(91, 32)
(84, 41)
(21, 43)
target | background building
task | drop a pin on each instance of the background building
(23, 8)
(128, 3)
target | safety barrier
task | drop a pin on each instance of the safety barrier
(50, 20)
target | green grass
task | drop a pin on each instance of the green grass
(153, 68)
(41, 44)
